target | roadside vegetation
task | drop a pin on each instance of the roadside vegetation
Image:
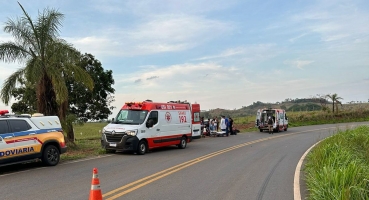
(338, 167)
(86, 143)
(57, 79)
(87, 136)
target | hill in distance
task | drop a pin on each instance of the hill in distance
(290, 105)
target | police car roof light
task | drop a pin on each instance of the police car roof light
(3, 112)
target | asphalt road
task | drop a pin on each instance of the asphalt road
(246, 166)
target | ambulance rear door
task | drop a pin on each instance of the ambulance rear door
(196, 124)
(258, 116)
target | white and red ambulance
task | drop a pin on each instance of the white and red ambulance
(140, 126)
(279, 117)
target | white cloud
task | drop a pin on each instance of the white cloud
(331, 21)
(145, 7)
(298, 37)
(300, 64)
(178, 76)
(245, 53)
(162, 33)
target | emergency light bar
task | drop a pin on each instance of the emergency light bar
(134, 104)
(3, 112)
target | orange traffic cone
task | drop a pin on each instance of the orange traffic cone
(95, 193)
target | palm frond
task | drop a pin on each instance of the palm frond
(10, 84)
(52, 21)
(10, 51)
(47, 27)
(21, 32)
(34, 70)
(65, 57)
(28, 19)
(59, 87)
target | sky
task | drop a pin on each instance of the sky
(219, 53)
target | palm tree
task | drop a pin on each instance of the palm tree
(335, 100)
(48, 61)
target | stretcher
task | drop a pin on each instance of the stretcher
(217, 133)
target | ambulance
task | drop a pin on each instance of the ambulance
(25, 138)
(141, 126)
(279, 117)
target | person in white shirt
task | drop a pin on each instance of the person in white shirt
(223, 125)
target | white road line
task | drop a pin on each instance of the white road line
(86, 159)
(65, 163)
(296, 181)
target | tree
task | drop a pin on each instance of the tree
(84, 104)
(47, 58)
(335, 100)
(322, 100)
(95, 104)
(25, 95)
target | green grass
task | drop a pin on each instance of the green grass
(87, 143)
(338, 167)
(88, 130)
(306, 118)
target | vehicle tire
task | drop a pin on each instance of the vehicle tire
(51, 155)
(110, 150)
(285, 129)
(141, 148)
(261, 130)
(183, 143)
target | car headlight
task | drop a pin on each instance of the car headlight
(132, 132)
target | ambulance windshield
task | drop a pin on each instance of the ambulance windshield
(131, 117)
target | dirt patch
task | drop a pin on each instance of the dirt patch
(245, 126)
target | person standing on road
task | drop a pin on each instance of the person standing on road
(216, 124)
(227, 125)
(270, 125)
(223, 125)
(231, 127)
(202, 126)
(211, 125)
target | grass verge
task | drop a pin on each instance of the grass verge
(338, 167)
(87, 143)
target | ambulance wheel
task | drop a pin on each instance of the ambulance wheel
(183, 143)
(285, 129)
(261, 130)
(142, 147)
(51, 155)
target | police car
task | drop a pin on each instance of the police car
(26, 138)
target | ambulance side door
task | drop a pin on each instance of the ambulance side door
(25, 138)
(154, 131)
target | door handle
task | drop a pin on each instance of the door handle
(158, 129)
(32, 134)
(8, 137)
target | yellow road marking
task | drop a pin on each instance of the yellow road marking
(144, 181)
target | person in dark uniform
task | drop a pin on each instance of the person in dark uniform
(231, 126)
(270, 124)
